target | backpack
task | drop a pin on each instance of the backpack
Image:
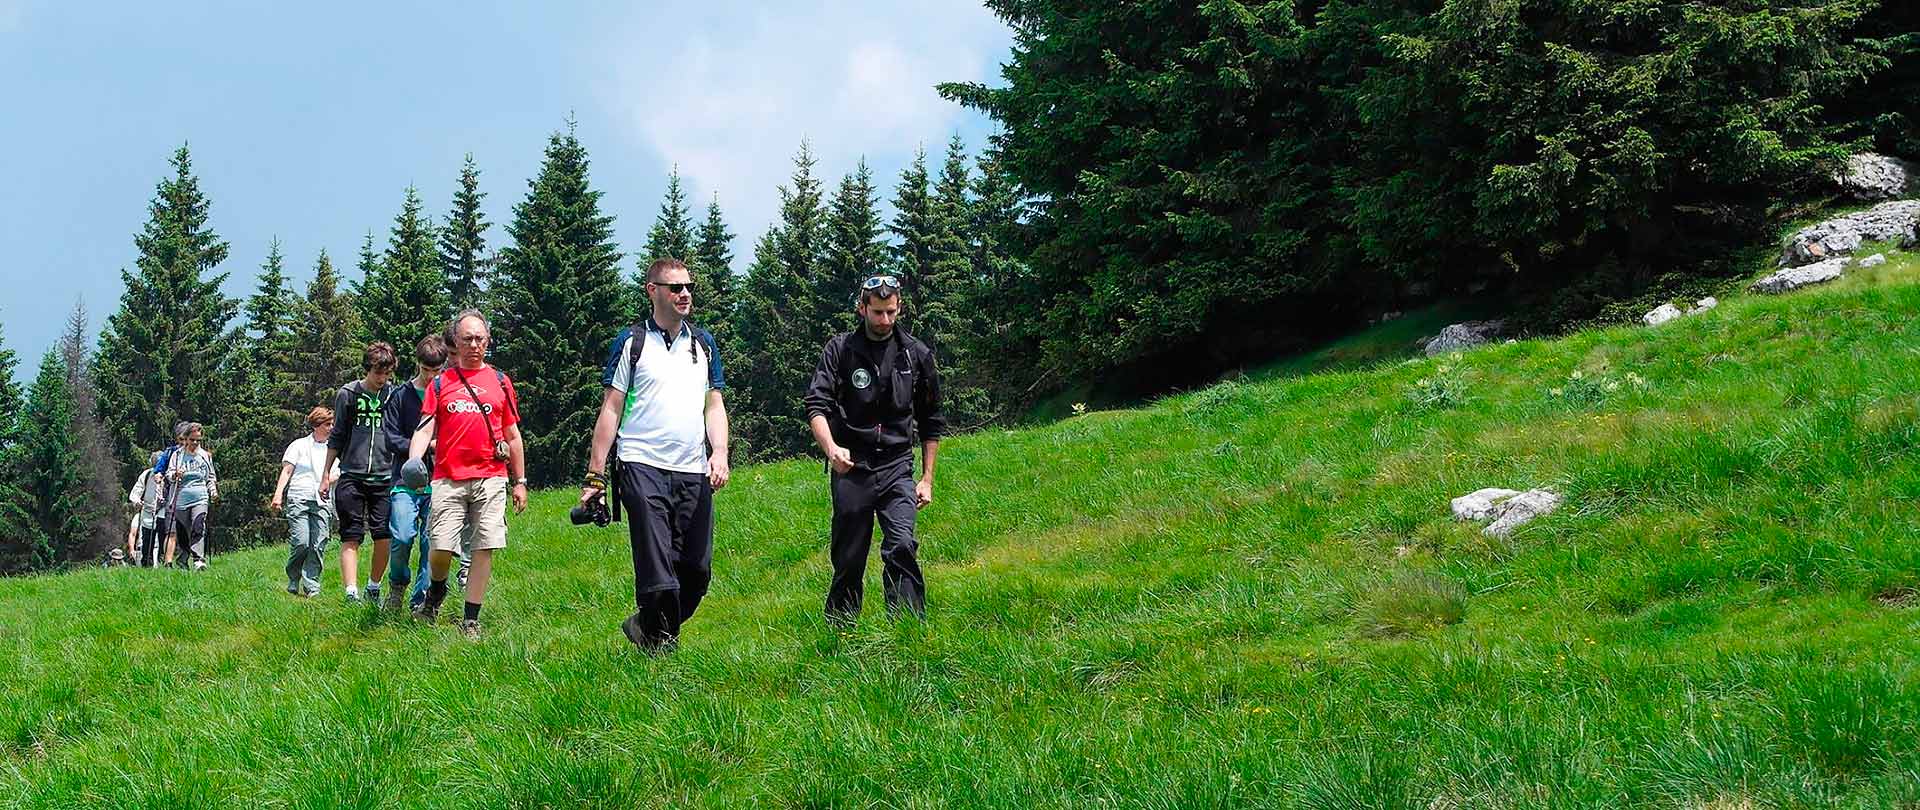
(633, 354)
(166, 457)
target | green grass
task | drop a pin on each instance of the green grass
(1248, 596)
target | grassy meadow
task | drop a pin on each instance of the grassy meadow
(1249, 596)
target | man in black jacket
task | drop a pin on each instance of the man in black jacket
(875, 393)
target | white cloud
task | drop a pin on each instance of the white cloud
(728, 94)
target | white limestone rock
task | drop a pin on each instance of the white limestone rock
(1897, 221)
(1794, 278)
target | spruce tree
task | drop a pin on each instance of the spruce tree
(10, 401)
(559, 300)
(913, 227)
(263, 411)
(759, 423)
(854, 249)
(713, 267)
(53, 509)
(403, 297)
(671, 236)
(98, 470)
(161, 348)
(946, 288)
(463, 242)
(778, 321)
(326, 333)
(14, 523)
(269, 341)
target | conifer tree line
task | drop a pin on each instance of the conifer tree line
(556, 287)
(1229, 171)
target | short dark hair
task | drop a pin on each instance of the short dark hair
(379, 356)
(431, 351)
(882, 292)
(662, 265)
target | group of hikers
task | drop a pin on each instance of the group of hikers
(170, 497)
(435, 462)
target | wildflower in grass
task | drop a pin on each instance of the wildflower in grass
(1079, 409)
(1446, 388)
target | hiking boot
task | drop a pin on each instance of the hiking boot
(394, 599)
(426, 613)
(470, 629)
(658, 646)
(373, 594)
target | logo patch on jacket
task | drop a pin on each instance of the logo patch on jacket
(862, 379)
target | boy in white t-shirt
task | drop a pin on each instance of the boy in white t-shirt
(302, 490)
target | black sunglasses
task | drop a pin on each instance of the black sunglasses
(675, 287)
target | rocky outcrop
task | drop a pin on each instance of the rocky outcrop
(1464, 335)
(1897, 221)
(1878, 177)
(1793, 278)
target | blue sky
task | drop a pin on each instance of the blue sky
(308, 121)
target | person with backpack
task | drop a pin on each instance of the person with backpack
(303, 471)
(192, 485)
(144, 540)
(410, 506)
(472, 419)
(875, 393)
(366, 468)
(663, 414)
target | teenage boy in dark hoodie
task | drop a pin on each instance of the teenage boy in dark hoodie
(366, 467)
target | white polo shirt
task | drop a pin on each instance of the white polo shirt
(663, 422)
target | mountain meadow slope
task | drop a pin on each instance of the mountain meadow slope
(1253, 595)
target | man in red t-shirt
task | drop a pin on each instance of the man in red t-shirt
(472, 420)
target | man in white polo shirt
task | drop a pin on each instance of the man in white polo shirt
(663, 402)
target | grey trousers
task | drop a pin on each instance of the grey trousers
(308, 523)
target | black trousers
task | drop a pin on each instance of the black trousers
(670, 526)
(861, 495)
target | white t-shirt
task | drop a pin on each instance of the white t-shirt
(306, 456)
(664, 423)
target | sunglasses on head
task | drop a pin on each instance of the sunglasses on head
(877, 282)
(675, 287)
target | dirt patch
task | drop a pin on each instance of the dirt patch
(1898, 597)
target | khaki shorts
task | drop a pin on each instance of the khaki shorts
(478, 505)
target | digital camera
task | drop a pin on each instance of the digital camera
(594, 512)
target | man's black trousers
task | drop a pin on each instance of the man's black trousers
(670, 525)
(860, 496)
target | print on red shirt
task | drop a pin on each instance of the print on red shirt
(464, 449)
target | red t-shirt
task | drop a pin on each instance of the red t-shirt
(464, 448)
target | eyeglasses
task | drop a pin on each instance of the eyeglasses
(675, 287)
(877, 282)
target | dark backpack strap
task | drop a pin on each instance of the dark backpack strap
(506, 392)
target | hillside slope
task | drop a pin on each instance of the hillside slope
(1251, 596)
